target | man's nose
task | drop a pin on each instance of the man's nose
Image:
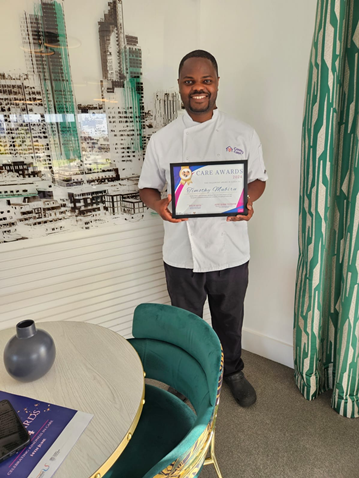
(198, 89)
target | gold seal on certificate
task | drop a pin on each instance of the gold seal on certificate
(207, 189)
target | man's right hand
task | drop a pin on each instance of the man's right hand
(161, 207)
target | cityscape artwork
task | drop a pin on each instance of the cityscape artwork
(65, 164)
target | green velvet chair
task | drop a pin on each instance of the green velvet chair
(180, 349)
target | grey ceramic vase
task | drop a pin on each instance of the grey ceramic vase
(30, 353)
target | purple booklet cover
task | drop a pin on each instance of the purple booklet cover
(53, 430)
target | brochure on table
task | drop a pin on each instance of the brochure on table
(53, 430)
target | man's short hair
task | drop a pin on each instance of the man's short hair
(198, 54)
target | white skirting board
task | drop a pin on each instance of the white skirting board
(267, 347)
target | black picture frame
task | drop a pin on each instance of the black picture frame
(243, 162)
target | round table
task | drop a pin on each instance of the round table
(95, 371)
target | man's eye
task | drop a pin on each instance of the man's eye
(207, 82)
(188, 82)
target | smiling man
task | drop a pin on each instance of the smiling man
(199, 98)
(206, 257)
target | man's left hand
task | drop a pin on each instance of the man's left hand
(240, 217)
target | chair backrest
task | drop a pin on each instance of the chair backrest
(185, 330)
(182, 350)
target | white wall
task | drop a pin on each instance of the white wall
(262, 47)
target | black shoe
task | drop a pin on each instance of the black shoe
(176, 393)
(241, 389)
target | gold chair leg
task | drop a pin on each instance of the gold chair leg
(212, 460)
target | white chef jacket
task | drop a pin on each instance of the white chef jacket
(203, 244)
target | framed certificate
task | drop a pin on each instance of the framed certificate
(209, 189)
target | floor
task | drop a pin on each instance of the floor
(282, 435)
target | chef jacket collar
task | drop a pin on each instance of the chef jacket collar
(188, 121)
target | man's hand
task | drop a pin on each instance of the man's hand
(152, 198)
(255, 190)
(240, 217)
(161, 207)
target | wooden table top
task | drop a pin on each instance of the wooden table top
(95, 371)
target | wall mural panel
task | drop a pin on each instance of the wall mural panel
(77, 110)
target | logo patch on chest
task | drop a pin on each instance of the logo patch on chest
(236, 150)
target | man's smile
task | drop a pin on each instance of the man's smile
(199, 97)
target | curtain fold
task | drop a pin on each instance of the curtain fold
(326, 323)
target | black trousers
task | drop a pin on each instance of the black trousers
(226, 291)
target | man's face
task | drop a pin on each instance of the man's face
(198, 86)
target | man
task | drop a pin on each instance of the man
(206, 257)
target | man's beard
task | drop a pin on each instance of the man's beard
(199, 110)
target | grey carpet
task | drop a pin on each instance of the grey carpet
(282, 435)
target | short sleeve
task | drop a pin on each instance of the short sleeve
(152, 176)
(256, 166)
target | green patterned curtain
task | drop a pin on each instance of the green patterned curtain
(326, 325)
